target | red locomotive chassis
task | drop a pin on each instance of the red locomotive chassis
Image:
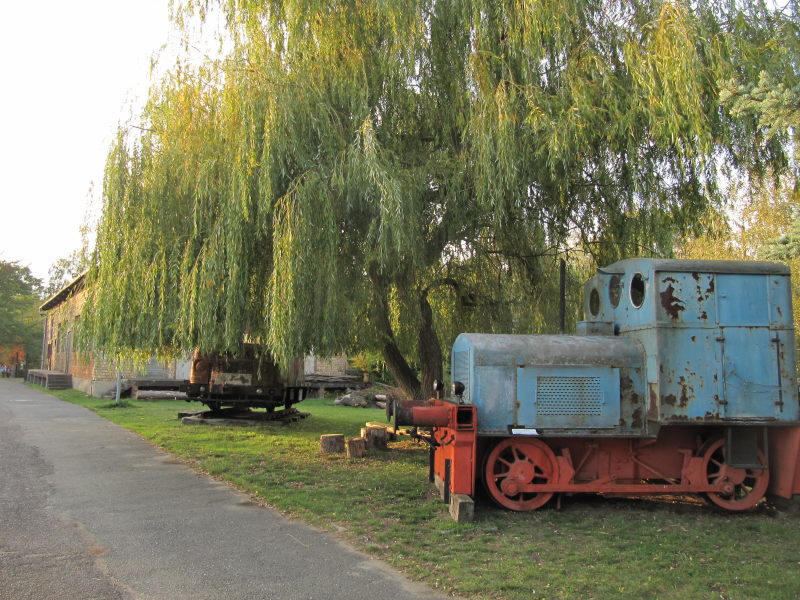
(525, 472)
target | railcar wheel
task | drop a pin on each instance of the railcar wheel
(514, 463)
(744, 488)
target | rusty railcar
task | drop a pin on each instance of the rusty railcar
(252, 379)
(682, 380)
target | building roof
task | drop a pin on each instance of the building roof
(65, 293)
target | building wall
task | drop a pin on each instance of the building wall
(91, 374)
(59, 350)
(334, 366)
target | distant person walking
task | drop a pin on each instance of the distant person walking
(4, 371)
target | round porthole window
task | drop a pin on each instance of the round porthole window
(615, 290)
(637, 290)
(594, 302)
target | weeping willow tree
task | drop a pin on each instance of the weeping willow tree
(391, 172)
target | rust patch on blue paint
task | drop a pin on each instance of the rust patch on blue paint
(652, 409)
(636, 422)
(672, 304)
(687, 392)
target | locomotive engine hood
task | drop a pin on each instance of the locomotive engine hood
(551, 382)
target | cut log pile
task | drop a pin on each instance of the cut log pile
(374, 437)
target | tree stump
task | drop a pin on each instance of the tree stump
(330, 443)
(390, 435)
(375, 436)
(356, 447)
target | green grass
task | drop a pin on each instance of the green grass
(591, 548)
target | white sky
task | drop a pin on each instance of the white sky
(70, 72)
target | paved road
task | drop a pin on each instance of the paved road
(88, 511)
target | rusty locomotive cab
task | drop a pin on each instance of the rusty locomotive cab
(682, 380)
(251, 380)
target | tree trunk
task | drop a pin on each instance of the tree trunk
(398, 366)
(430, 351)
(403, 374)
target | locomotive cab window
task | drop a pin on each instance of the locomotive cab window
(594, 302)
(637, 290)
(614, 290)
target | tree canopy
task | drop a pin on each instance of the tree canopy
(393, 172)
(20, 296)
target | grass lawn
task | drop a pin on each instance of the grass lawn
(382, 504)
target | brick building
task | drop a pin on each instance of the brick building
(96, 376)
(91, 373)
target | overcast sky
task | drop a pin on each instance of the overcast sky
(71, 71)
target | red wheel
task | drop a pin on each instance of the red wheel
(744, 488)
(514, 463)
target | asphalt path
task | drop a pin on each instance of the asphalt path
(88, 510)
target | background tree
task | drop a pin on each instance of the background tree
(20, 322)
(763, 93)
(396, 172)
(66, 269)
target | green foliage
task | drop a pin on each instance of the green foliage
(20, 297)
(395, 172)
(787, 247)
(764, 93)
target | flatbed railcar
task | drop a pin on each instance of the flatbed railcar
(681, 380)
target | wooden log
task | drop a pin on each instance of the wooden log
(333, 442)
(390, 435)
(356, 447)
(375, 436)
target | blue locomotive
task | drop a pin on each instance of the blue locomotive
(682, 379)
